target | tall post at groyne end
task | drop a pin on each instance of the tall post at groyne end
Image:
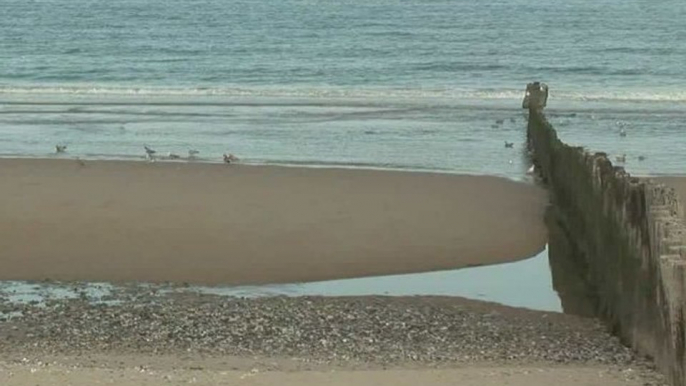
(536, 96)
(625, 235)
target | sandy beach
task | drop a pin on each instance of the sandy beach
(31, 375)
(235, 224)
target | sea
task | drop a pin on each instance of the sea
(416, 85)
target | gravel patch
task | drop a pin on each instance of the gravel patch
(376, 330)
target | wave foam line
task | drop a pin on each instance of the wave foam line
(364, 93)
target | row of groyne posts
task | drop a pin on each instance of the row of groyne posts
(623, 236)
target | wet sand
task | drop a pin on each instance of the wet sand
(236, 224)
(28, 375)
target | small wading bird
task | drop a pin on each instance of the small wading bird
(509, 144)
(60, 148)
(230, 158)
(149, 153)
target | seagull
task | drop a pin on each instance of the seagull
(621, 158)
(60, 148)
(230, 158)
(192, 153)
(149, 153)
(173, 156)
(509, 144)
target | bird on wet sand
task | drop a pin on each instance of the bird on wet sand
(149, 153)
(230, 158)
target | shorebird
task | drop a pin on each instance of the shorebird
(230, 158)
(192, 153)
(149, 153)
(509, 144)
(60, 148)
(173, 156)
(621, 158)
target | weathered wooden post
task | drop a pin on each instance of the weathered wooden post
(536, 96)
(535, 99)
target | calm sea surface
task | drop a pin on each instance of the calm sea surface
(377, 83)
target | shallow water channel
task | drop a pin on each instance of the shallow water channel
(526, 283)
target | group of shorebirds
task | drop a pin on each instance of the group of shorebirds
(619, 159)
(151, 154)
(622, 133)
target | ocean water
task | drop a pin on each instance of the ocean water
(431, 85)
(406, 84)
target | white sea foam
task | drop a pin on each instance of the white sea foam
(343, 92)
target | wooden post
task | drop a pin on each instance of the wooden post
(536, 96)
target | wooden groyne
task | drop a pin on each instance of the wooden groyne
(626, 239)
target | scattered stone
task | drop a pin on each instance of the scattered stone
(381, 330)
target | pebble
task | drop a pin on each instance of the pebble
(381, 330)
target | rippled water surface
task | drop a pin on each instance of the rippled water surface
(381, 83)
